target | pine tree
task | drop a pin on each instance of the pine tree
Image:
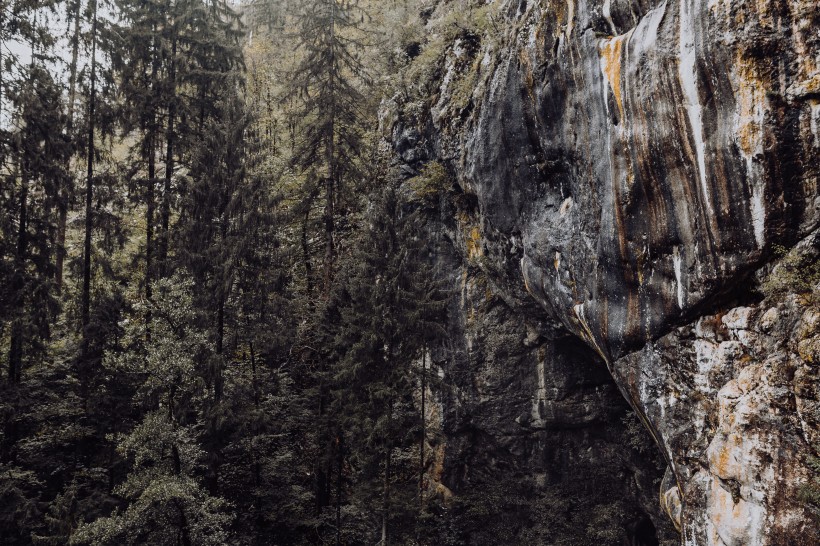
(167, 503)
(387, 310)
(327, 83)
(176, 59)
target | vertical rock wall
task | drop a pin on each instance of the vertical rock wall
(523, 414)
(629, 165)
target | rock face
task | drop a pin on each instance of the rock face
(733, 400)
(629, 166)
(523, 419)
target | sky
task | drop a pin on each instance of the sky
(22, 52)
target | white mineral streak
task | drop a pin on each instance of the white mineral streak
(608, 16)
(749, 127)
(570, 17)
(688, 78)
(690, 535)
(532, 40)
(565, 206)
(759, 214)
(677, 261)
(645, 35)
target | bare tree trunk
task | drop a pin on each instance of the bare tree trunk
(169, 161)
(89, 188)
(72, 97)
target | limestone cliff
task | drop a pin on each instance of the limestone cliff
(632, 166)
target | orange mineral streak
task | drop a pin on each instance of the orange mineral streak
(611, 57)
(721, 463)
(473, 240)
(751, 98)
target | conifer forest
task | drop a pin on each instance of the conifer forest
(347, 272)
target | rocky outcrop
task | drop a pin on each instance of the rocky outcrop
(524, 421)
(630, 165)
(733, 400)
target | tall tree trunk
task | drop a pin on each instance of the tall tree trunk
(214, 447)
(17, 329)
(89, 187)
(220, 341)
(150, 198)
(330, 149)
(183, 536)
(149, 234)
(62, 221)
(222, 291)
(324, 464)
(257, 467)
(329, 233)
(17, 341)
(306, 251)
(169, 159)
(72, 97)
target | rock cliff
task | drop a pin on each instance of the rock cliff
(635, 168)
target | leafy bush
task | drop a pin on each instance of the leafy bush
(432, 182)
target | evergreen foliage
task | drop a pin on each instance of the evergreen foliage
(327, 86)
(387, 309)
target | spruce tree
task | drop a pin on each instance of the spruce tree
(85, 305)
(387, 309)
(223, 204)
(176, 59)
(166, 500)
(33, 148)
(38, 150)
(136, 57)
(327, 83)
